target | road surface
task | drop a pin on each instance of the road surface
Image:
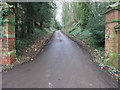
(62, 64)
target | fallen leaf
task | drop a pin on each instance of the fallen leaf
(32, 59)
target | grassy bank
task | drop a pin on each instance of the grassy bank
(84, 37)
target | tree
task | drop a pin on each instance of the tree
(83, 16)
(29, 14)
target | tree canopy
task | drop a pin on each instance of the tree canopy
(86, 20)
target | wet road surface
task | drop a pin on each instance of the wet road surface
(62, 64)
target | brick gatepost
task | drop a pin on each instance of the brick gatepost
(112, 34)
(7, 43)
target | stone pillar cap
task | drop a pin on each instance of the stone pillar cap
(115, 6)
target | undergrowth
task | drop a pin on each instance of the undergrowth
(22, 43)
(97, 51)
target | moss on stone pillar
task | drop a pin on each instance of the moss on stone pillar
(112, 36)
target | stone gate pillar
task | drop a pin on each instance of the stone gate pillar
(112, 34)
(7, 42)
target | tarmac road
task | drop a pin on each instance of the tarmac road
(62, 64)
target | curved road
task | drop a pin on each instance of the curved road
(62, 64)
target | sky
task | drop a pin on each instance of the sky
(59, 11)
(59, 6)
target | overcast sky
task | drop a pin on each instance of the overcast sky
(59, 6)
(59, 11)
(58, 3)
